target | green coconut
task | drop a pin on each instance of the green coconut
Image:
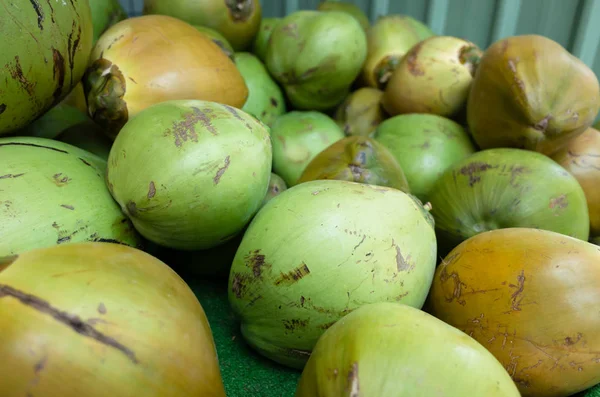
(361, 112)
(261, 41)
(105, 13)
(389, 39)
(276, 186)
(425, 145)
(318, 251)
(218, 39)
(265, 99)
(315, 56)
(55, 121)
(43, 55)
(507, 188)
(298, 136)
(390, 349)
(357, 159)
(189, 173)
(349, 8)
(237, 20)
(54, 193)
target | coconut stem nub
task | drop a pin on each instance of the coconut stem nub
(104, 87)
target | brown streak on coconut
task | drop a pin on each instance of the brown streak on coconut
(74, 322)
(221, 171)
(293, 275)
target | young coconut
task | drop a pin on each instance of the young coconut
(391, 349)
(265, 98)
(425, 146)
(105, 13)
(581, 157)
(529, 92)
(389, 39)
(218, 39)
(531, 298)
(100, 319)
(349, 8)
(298, 136)
(261, 41)
(318, 251)
(237, 20)
(357, 159)
(361, 112)
(504, 188)
(54, 193)
(315, 56)
(190, 174)
(433, 77)
(43, 55)
(131, 68)
(276, 186)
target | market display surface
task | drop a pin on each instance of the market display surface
(202, 201)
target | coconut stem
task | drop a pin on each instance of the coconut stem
(427, 207)
(470, 57)
(240, 10)
(104, 86)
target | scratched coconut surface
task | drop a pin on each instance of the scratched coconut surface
(43, 55)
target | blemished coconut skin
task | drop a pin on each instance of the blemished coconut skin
(530, 93)
(503, 188)
(43, 55)
(131, 68)
(357, 159)
(425, 146)
(98, 319)
(316, 56)
(581, 157)
(530, 297)
(237, 20)
(389, 39)
(361, 112)
(394, 350)
(54, 193)
(433, 77)
(190, 174)
(294, 275)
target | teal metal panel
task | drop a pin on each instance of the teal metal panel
(471, 20)
(572, 23)
(554, 19)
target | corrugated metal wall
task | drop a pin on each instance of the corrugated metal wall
(573, 23)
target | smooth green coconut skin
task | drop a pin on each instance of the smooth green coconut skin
(394, 350)
(265, 99)
(425, 145)
(189, 173)
(315, 56)
(105, 13)
(54, 193)
(261, 40)
(298, 136)
(506, 187)
(318, 251)
(43, 55)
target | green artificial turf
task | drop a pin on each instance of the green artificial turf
(244, 372)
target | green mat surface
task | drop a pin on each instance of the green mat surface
(245, 373)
